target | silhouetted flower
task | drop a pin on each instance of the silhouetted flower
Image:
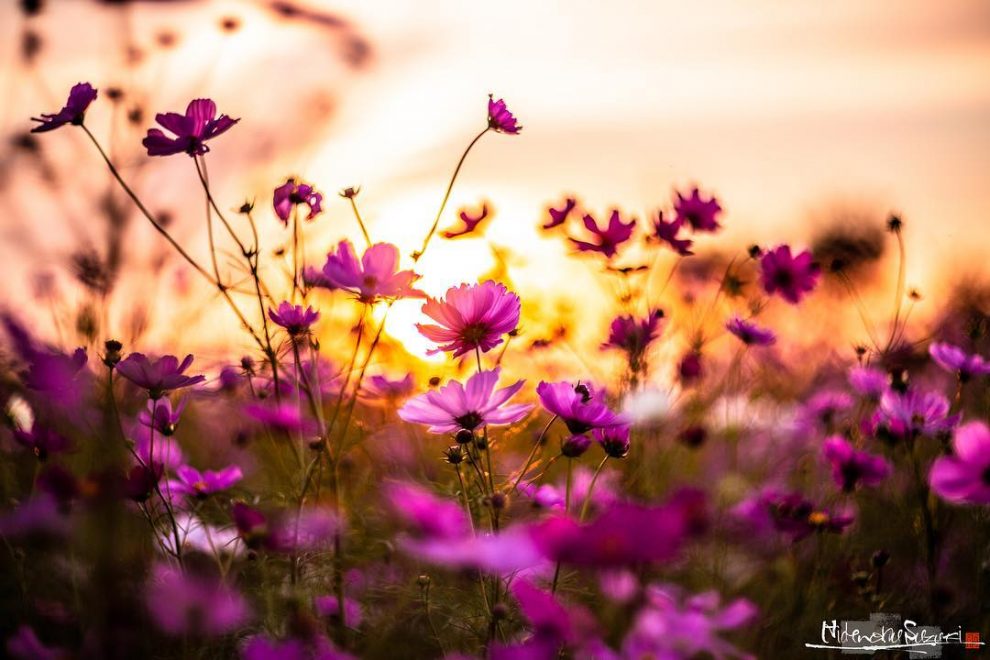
(964, 476)
(691, 367)
(581, 407)
(851, 467)
(471, 222)
(614, 441)
(294, 318)
(42, 441)
(634, 336)
(455, 406)
(608, 240)
(74, 111)
(374, 277)
(191, 130)
(559, 216)
(499, 117)
(159, 377)
(574, 446)
(701, 214)
(292, 193)
(955, 360)
(183, 604)
(471, 316)
(789, 276)
(666, 232)
(194, 483)
(750, 333)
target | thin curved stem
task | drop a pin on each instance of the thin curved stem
(591, 488)
(357, 216)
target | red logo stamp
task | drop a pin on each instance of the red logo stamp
(972, 640)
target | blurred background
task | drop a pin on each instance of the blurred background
(810, 122)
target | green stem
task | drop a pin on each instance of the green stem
(591, 488)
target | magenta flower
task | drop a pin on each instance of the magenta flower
(869, 382)
(826, 409)
(284, 532)
(964, 476)
(160, 416)
(470, 221)
(192, 130)
(581, 407)
(74, 111)
(908, 415)
(790, 276)
(159, 377)
(634, 336)
(381, 389)
(750, 333)
(955, 360)
(559, 216)
(283, 417)
(471, 316)
(851, 467)
(429, 515)
(374, 277)
(666, 232)
(292, 193)
(691, 367)
(42, 441)
(25, 645)
(614, 441)
(552, 625)
(329, 608)
(500, 119)
(608, 240)
(454, 406)
(790, 513)
(701, 214)
(182, 604)
(294, 318)
(194, 483)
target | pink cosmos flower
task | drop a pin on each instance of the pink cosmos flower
(74, 111)
(559, 216)
(790, 276)
(428, 514)
(955, 360)
(608, 240)
(159, 377)
(667, 232)
(454, 406)
(375, 277)
(907, 415)
(750, 333)
(42, 441)
(826, 409)
(851, 467)
(701, 214)
(183, 604)
(160, 416)
(285, 531)
(964, 476)
(614, 441)
(294, 318)
(381, 389)
(500, 119)
(581, 407)
(471, 222)
(869, 382)
(192, 130)
(293, 193)
(471, 316)
(194, 483)
(632, 335)
(329, 608)
(284, 417)
(789, 513)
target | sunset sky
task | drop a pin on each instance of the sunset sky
(789, 112)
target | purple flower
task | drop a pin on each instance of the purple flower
(691, 367)
(825, 409)
(471, 316)
(40, 516)
(750, 333)
(791, 514)
(60, 377)
(160, 416)
(907, 415)
(581, 407)
(183, 604)
(74, 111)
(293, 318)
(666, 232)
(374, 277)
(701, 214)
(634, 336)
(868, 382)
(192, 130)
(430, 515)
(25, 645)
(194, 483)
(283, 416)
(614, 441)
(955, 360)
(159, 377)
(140, 481)
(964, 476)
(500, 119)
(42, 441)
(293, 193)
(553, 625)
(790, 276)
(456, 406)
(559, 216)
(381, 389)
(471, 222)
(574, 446)
(328, 607)
(851, 467)
(608, 240)
(310, 529)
